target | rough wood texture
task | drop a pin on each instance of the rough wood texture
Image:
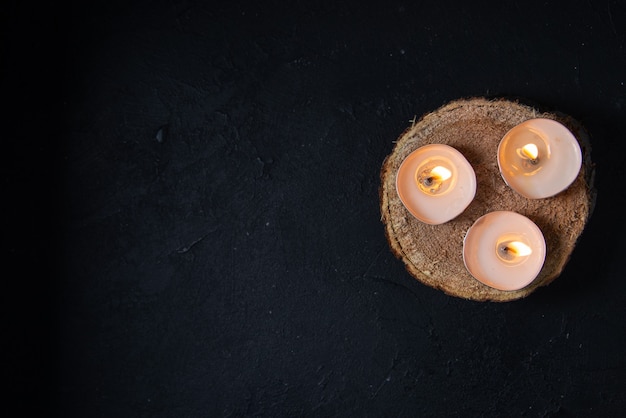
(433, 253)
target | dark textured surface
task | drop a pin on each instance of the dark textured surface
(207, 210)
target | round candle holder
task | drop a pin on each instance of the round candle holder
(433, 254)
(435, 183)
(504, 250)
(539, 158)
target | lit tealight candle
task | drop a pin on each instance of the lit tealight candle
(504, 250)
(436, 183)
(539, 158)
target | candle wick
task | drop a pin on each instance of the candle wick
(508, 251)
(428, 181)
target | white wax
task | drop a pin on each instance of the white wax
(556, 166)
(448, 197)
(485, 255)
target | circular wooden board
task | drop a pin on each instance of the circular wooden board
(433, 254)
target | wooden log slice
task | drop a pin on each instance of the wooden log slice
(433, 254)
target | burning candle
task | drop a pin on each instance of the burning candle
(539, 158)
(504, 250)
(436, 183)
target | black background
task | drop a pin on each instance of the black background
(193, 210)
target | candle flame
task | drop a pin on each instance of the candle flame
(440, 173)
(530, 151)
(518, 248)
